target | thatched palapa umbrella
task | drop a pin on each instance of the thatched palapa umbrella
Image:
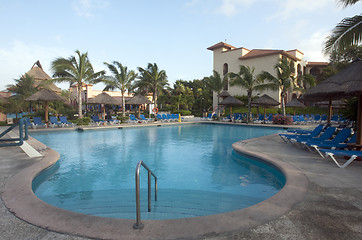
(46, 96)
(138, 100)
(265, 101)
(231, 101)
(104, 98)
(295, 104)
(345, 84)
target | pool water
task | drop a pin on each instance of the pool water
(198, 172)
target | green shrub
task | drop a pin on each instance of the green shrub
(83, 121)
(183, 112)
(3, 123)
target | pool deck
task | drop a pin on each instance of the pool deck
(322, 202)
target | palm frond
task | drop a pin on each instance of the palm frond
(347, 33)
(346, 3)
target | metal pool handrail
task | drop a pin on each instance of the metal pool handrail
(138, 224)
(23, 127)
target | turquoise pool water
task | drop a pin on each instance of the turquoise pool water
(198, 172)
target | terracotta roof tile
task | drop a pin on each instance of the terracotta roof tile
(310, 64)
(220, 45)
(266, 52)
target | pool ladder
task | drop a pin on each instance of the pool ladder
(138, 224)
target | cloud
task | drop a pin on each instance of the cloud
(20, 57)
(86, 8)
(312, 46)
(230, 8)
(289, 8)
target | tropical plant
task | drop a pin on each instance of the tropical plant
(76, 70)
(282, 82)
(121, 79)
(216, 84)
(347, 33)
(152, 79)
(24, 87)
(245, 78)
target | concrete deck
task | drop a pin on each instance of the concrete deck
(330, 208)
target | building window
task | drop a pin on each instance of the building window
(315, 72)
(225, 69)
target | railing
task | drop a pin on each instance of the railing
(23, 127)
(138, 224)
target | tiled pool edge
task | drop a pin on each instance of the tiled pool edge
(19, 199)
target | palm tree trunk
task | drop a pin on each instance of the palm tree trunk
(80, 100)
(249, 107)
(155, 96)
(283, 104)
(123, 104)
(218, 101)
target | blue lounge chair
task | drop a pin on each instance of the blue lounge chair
(209, 117)
(133, 119)
(144, 119)
(64, 121)
(37, 122)
(340, 138)
(344, 153)
(159, 117)
(302, 131)
(112, 120)
(314, 133)
(165, 118)
(170, 118)
(96, 120)
(326, 135)
(54, 122)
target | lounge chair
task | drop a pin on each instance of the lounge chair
(159, 117)
(54, 122)
(209, 117)
(345, 153)
(112, 120)
(302, 131)
(165, 118)
(37, 122)
(133, 119)
(314, 133)
(340, 138)
(96, 120)
(326, 135)
(170, 118)
(64, 121)
(144, 119)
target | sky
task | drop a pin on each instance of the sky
(174, 34)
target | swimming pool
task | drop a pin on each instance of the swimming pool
(198, 173)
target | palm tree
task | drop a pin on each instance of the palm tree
(216, 84)
(282, 82)
(121, 79)
(245, 78)
(152, 79)
(76, 70)
(25, 86)
(347, 33)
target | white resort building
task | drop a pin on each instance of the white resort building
(227, 58)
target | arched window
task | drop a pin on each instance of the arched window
(225, 69)
(299, 70)
(294, 96)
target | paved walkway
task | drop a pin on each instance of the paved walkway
(332, 208)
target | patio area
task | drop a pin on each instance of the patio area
(332, 208)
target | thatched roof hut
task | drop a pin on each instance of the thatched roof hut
(39, 76)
